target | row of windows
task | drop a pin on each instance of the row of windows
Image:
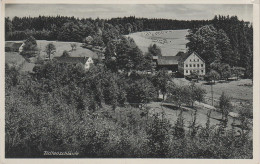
(195, 59)
(187, 71)
(194, 65)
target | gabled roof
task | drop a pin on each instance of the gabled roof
(13, 45)
(179, 53)
(72, 60)
(17, 45)
(168, 60)
(184, 56)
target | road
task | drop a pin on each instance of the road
(172, 112)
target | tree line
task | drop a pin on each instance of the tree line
(75, 29)
(227, 41)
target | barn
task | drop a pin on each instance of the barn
(13, 47)
(169, 63)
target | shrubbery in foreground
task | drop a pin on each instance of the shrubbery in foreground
(67, 111)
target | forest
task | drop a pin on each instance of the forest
(224, 38)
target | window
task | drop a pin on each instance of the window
(194, 65)
(187, 71)
(201, 71)
(198, 59)
(201, 65)
(194, 60)
(190, 65)
(198, 65)
(190, 59)
(187, 65)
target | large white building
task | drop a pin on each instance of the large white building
(184, 63)
(191, 62)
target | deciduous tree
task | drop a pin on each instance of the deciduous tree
(50, 49)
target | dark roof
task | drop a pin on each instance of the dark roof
(168, 60)
(180, 53)
(72, 60)
(173, 60)
(17, 45)
(184, 56)
(13, 45)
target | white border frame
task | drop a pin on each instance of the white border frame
(256, 85)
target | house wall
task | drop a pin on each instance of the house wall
(88, 63)
(193, 63)
(21, 48)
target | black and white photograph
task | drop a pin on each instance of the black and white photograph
(149, 81)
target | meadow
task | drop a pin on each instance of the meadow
(15, 59)
(62, 46)
(170, 41)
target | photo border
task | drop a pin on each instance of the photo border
(256, 87)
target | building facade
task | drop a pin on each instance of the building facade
(183, 63)
(191, 62)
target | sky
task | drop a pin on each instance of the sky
(105, 11)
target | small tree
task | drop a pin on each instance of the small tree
(178, 94)
(50, 49)
(160, 81)
(225, 71)
(140, 92)
(212, 75)
(73, 46)
(154, 50)
(30, 48)
(65, 54)
(30, 44)
(88, 40)
(238, 71)
(196, 93)
(225, 106)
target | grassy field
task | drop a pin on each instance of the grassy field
(170, 41)
(239, 92)
(13, 58)
(61, 46)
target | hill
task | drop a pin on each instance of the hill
(61, 46)
(170, 41)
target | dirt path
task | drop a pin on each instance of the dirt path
(171, 113)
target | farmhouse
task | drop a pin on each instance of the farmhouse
(191, 62)
(184, 63)
(86, 61)
(13, 47)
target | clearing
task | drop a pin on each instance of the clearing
(241, 91)
(15, 59)
(170, 41)
(61, 46)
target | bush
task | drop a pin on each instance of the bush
(140, 92)
(53, 110)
